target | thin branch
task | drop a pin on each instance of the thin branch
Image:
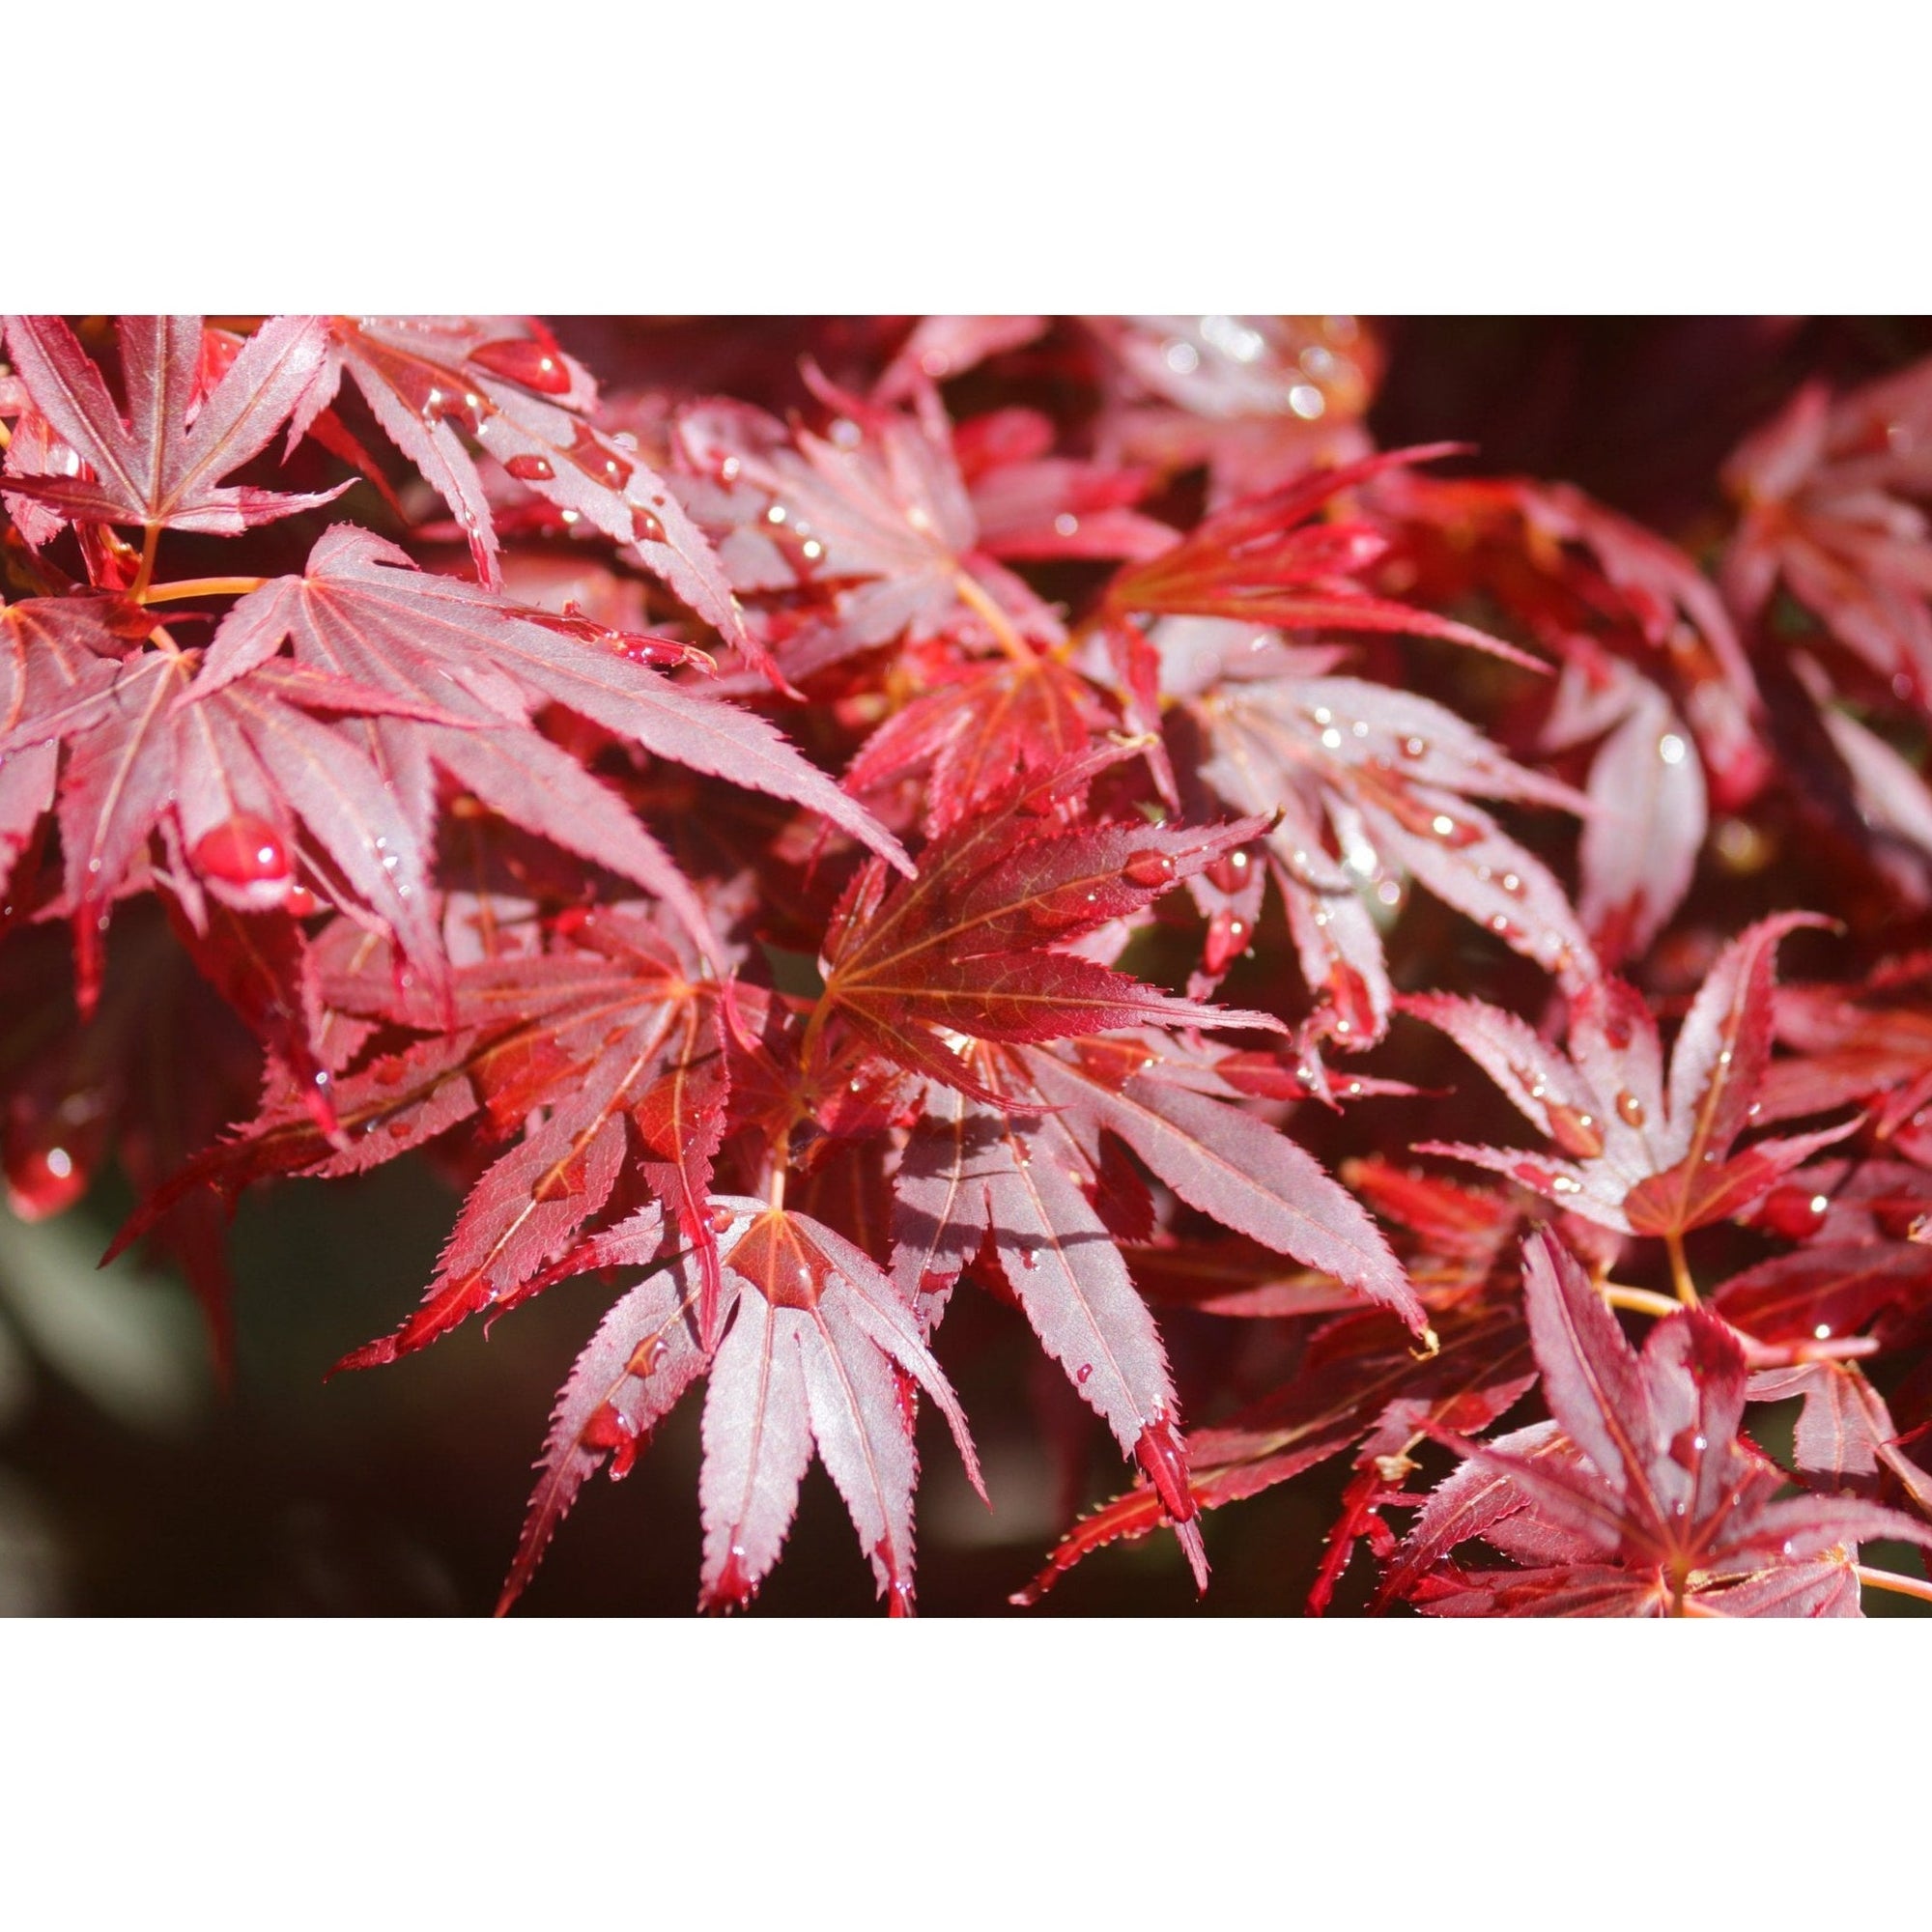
(1890, 1579)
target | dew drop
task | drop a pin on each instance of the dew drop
(1354, 1005)
(645, 527)
(246, 853)
(1081, 1374)
(1161, 1454)
(606, 1429)
(439, 405)
(1531, 1176)
(597, 460)
(1575, 1132)
(530, 468)
(528, 364)
(43, 1182)
(1229, 871)
(1414, 747)
(1630, 1109)
(1793, 1214)
(1227, 940)
(1148, 868)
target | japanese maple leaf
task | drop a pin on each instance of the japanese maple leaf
(1258, 399)
(1030, 504)
(1638, 1498)
(1634, 1157)
(1566, 567)
(1845, 1438)
(1892, 802)
(603, 1056)
(817, 1342)
(875, 515)
(1360, 1387)
(1648, 810)
(971, 945)
(964, 739)
(1030, 1177)
(941, 346)
(1856, 1259)
(1267, 561)
(1827, 491)
(363, 612)
(518, 396)
(161, 465)
(1371, 784)
(1869, 1044)
(249, 789)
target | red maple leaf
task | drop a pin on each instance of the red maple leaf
(252, 786)
(161, 466)
(1634, 1157)
(1360, 1387)
(817, 1338)
(1373, 785)
(1638, 1498)
(363, 612)
(511, 389)
(1828, 492)
(977, 943)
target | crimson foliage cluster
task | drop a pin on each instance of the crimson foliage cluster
(1043, 808)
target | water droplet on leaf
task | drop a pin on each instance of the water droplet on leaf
(245, 853)
(1161, 1454)
(1230, 872)
(524, 362)
(1575, 1132)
